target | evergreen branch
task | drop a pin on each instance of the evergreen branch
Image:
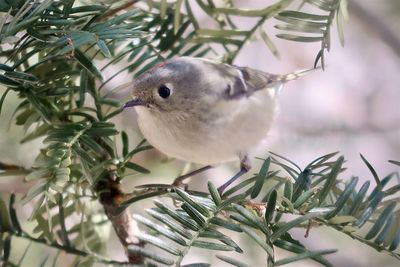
(198, 215)
(344, 210)
(312, 27)
(362, 240)
(114, 11)
(69, 250)
(264, 12)
(123, 223)
(53, 68)
(10, 226)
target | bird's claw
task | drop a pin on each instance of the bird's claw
(180, 184)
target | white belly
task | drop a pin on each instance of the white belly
(234, 127)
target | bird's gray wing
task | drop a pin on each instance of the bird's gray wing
(246, 81)
(235, 82)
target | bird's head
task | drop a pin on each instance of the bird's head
(171, 86)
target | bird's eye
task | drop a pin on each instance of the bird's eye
(164, 91)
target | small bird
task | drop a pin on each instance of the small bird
(205, 112)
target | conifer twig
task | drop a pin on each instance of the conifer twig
(111, 196)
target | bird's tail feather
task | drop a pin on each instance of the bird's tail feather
(294, 75)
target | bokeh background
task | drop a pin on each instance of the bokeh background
(352, 107)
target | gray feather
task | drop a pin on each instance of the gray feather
(247, 81)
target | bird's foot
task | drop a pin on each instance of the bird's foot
(180, 184)
(179, 180)
(245, 166)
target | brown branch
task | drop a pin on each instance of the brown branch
(114, 11)
(110, 196)
(11, 167)
(125, 227)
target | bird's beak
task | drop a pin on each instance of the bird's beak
(134, 102)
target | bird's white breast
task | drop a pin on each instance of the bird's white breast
(230, 128)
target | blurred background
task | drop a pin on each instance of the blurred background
(351, 107)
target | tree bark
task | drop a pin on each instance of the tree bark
(125, 227)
